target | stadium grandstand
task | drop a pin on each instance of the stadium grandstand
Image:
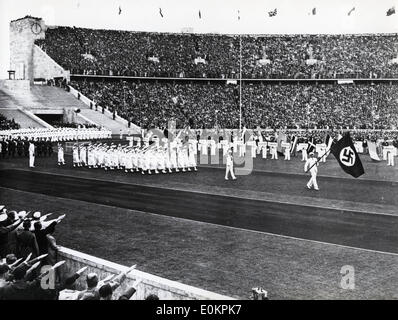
(117, 150)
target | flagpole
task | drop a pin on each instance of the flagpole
(240, 82)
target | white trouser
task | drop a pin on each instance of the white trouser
(264, 152)
(287, 154)
(305, 155)
(229, 169)
(390, 159)
(312, 181)
(274, 154)
(384, 154)
(31, 161)
(61, 157)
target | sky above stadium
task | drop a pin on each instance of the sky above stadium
(217, 16)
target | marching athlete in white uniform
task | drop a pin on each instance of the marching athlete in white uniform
(83, 155)
(230, 166)
(75, 156)
(287, 152)
(61, 159)
(312, 165)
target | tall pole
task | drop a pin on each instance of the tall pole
(240, 82)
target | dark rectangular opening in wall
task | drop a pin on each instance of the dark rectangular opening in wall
(51, 119)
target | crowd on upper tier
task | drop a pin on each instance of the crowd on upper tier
(274, 106)
(150, 54)
(6, 124)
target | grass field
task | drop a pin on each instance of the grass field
(221, 259)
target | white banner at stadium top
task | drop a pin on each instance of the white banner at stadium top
(272, 144)
(302, 146)
(285, 145)
(262, 144)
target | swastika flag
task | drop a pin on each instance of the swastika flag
(347, 156)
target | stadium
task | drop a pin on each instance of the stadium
(164, 165)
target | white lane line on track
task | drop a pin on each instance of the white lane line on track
(220, 225)
(356, 210)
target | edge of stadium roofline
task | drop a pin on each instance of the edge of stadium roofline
(236, 79)
(224, 34)
(27, 17)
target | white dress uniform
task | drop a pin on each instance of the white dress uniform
(390, 155)
(75, 156)
(167, 160)
(229, 167)
(31, 155)
(274, 152)
(91, 157)
(61, 159)
(83, 155)
(173, 156)
(287, 151)
(128, 163)
(192, 157)
(313, 171)
(304, 153)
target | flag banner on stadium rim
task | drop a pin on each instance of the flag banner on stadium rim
(373, 151)
(347, 156)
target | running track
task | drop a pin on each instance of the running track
(357, 229)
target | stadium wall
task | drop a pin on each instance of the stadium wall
(45, 67)
(165, 289)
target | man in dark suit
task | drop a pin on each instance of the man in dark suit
(19, 147)
(49, 145)
(26, 241)
(26, 147)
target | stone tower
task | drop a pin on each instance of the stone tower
(23, 33)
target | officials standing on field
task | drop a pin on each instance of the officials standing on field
(31, 154)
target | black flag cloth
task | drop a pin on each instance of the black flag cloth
(347, 156)
(391, 11)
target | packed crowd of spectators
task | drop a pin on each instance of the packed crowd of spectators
(6, 124)
(274, 106)
(145, 54)
(29, 252)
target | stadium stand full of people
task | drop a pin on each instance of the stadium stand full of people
(152, 54)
